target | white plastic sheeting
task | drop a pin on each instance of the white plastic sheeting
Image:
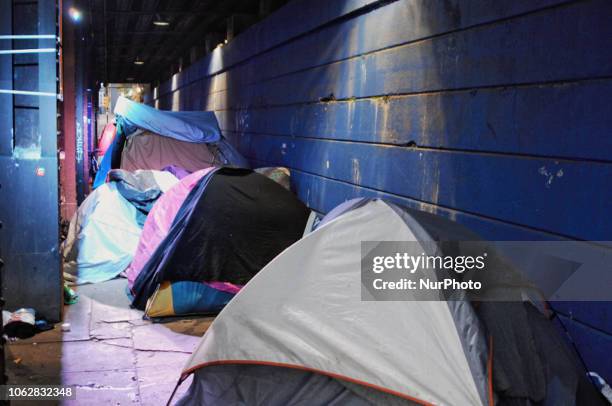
(304, 310)
(103, 236)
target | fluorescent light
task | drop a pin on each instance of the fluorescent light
(160, 22)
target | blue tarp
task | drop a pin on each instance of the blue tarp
(190, 126)
(106, 164)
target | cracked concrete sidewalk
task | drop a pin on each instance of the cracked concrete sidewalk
(111, 354)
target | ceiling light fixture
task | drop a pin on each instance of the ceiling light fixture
(75, 14)
(159, 22)
(138, 62)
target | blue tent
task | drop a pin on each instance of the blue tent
(189, 126)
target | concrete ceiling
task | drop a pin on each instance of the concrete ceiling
(124, 32)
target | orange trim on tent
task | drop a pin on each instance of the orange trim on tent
(303, 368)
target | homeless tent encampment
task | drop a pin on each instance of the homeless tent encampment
(148, 138)
(232, 223)
(300, 333)
(148, 145)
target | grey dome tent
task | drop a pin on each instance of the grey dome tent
(299, 333)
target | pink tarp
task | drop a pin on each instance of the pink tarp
(106, 138)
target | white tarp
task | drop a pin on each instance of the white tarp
(304, 310)
(103, 236)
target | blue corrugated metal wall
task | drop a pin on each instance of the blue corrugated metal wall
(494, 113)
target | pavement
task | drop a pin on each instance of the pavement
(110, 354)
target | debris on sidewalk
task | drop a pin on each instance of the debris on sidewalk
(70, 296)
(23, 323)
